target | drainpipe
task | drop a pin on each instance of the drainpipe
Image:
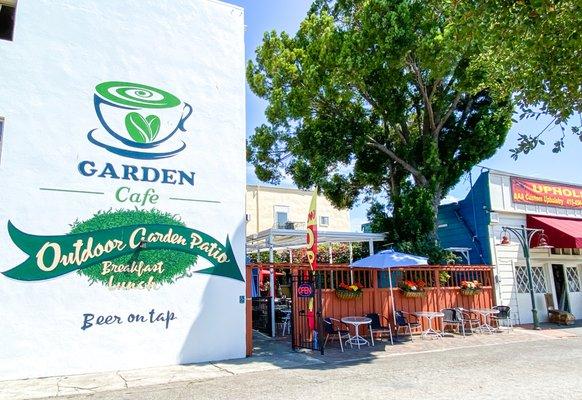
(272, 287)
(258, 209)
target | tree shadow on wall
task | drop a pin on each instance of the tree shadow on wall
(218, 330)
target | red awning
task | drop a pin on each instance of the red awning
(561, 232)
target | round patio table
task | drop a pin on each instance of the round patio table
(356, 322)
(486, 314)
(430, 315)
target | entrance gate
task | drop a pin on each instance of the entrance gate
(307, 323)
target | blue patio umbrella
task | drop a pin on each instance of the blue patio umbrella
(387, 259)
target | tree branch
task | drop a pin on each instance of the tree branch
(416, 173)
(422, 89)
(466, 111)
(442, 122)
(364, 93)
(434, 88)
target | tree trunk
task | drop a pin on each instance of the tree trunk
(436, 200)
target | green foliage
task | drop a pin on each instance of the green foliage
(530, 49)
(340, 254)
(373, 97)
(427, 248)
(407, 226)
(175, 263)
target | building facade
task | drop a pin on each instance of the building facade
(280, 208)
(498, 200)
(122, 173)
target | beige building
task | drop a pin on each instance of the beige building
(274, 207)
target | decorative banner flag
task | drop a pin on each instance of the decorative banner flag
(312, 232)
(52, 256)
(312, 255)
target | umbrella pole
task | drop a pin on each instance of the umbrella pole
(392, 296)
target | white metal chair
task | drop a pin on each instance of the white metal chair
(453, 317)
(503, 316)
(286, 320)
(376, 327)
(403, 323)
(469, 319)
(331, 331)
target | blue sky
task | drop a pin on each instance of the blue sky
(285, 15)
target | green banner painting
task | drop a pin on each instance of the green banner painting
(52, 256)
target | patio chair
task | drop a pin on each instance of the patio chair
(504, 315)
(377, 328)
(331, 330)
(403, 323)
(286, 322)
(453, 317)
(469, 319)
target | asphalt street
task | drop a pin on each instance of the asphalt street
(545, 369)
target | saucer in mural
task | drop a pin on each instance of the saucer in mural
(103, 139)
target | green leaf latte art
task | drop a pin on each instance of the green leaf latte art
(142, 130)
(136, 95)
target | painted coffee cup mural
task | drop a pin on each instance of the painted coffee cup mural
(139, 121)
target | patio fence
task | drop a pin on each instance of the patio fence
(376, 290)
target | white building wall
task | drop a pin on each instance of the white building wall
(263, 201)
(506, 258)
(61, 50)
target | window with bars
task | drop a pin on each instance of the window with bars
(573, 279)
(538, 279)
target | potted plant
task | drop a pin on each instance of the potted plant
(470, 288)
(411, 288)
(444, 277)
(348, 292)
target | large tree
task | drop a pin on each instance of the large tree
(532, 49)
(374, 96)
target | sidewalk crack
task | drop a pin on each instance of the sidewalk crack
(222, 369)
(122, 378)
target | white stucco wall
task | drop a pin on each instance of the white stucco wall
(505, 258)
(61, 50)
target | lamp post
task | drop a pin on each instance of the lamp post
(525, 235)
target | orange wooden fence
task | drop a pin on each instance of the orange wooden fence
(377, 299)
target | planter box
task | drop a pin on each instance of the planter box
(347, 294)
(414, 294)
(470, 292)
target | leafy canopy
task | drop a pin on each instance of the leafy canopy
(374, 96)
(532, 49)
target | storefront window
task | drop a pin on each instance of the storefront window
(539, 279)
(573, 279)
(7, 13)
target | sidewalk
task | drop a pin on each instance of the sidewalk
(269, 354)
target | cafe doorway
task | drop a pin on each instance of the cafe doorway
(560, 287)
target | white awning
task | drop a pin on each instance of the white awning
(280, 239)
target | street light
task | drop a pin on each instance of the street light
(525, 235)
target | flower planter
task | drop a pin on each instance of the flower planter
(470, 292)
(417, 293)
(347, 294)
